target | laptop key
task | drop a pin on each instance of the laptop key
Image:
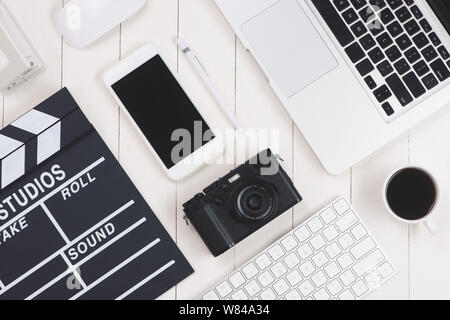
(416, 12)
(367, 42)
(403, 42)
(395, 29)
(403, 14)
(367, 14)
(393, 53)
(440, 70)
(421, 40)
(429, 53)
(388, 108)
(412, 55)
(370, 82)
(354, 52)
(376, 55)
(430, 81)
(386, 16)
(409, 2)
(414, 85)
(399, 89)
(394, 4)
(412, 27)
(378, 4)
(375, 27)
(425, 25)
(402, 66)
(384, 40)
(358, 29)
(434, 39)
(421, 68)
(358, 4)
(382, 93)
(385, 68)
(350, 16)
(443, 52)
(334, 22)
(365, 67)
(341, 4)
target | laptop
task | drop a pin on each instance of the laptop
(353, 74)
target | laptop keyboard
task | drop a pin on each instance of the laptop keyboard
(392, 46)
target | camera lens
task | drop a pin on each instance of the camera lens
(255, 202)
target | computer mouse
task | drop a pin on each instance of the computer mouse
(81, 22)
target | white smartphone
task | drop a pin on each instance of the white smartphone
(151, 96)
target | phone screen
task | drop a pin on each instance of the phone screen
(162, 110)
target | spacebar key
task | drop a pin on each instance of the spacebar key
(399, 89)
(334, 21)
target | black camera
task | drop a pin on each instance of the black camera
(242, 202)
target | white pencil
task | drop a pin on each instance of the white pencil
(202, 73)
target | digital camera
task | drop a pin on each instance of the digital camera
(243, 201)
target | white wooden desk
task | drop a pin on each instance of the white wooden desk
(422, 260)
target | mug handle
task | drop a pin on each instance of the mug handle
(431, 226)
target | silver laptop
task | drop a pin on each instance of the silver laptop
(353, 74)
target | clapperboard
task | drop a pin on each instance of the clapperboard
(72, 224)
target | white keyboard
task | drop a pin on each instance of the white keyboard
(330, 256)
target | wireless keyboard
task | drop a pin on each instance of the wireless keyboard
(392, 47)
(330, 256)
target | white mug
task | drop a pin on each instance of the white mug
(426, 220)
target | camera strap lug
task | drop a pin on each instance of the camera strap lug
(186, 219)
(278, 157)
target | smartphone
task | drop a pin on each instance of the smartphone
(155, 102)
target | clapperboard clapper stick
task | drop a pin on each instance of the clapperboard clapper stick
(72, 224)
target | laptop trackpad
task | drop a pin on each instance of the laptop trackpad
(289, 46)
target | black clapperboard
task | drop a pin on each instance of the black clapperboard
(72, 224)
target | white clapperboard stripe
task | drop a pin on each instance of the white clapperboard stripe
(37, 135)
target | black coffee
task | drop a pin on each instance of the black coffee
(411, 194)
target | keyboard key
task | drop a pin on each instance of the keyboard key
(306, 288)
(224, 289)
(399, 89)
(319, 279)
(347, 221)
(367, 42)
(444, 53)
(239, 295)
(386, 16)
(385, 270)
(359, 288)
(359, 232)
(334, 22)
(289, 243)
(421, 68)
(358, 29)
(385, 68)
(368, 263)
(403, 42)
(346, 241)
(332, 270)
(349, 16)
(412, 27)
(276, 252)
(373, 280)
(211, 295)
(320, 259)
(395, 29)
(393, 53)
(416, 12)
(375, 27)
(291, 260)
(370, 82)
(345, 260)
(378, 4)
(421, 40)
(302, 234)
(414, 85)
(265, 278)
(334, 287)
(394, 4)
(346, 295)
(317, 242)
(315, 224)
(250, 270)
(307, 269)
(376, 55)
(358, 4)
(434, 39)
(347, 278)
(237, 280)
(263, 261)
(430, 81)
(331, 233)
(388, 108)
(293, 295)
(429, 53)
(321, 294)
(365, 67)
(412, 55)
(363, 248)
(294, 278)
(403, 14)
(384, 40)
(367, 14)
(328, 215)
(304, 251)
(281, 287)
(341, 206)
(278, 269)
(402, 66)
(341, 4)
(268, 294)
(333, 250)
(425, 25)
(252, 288)
(354, 52)
(440, 70)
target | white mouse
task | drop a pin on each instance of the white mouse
(81, 22)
